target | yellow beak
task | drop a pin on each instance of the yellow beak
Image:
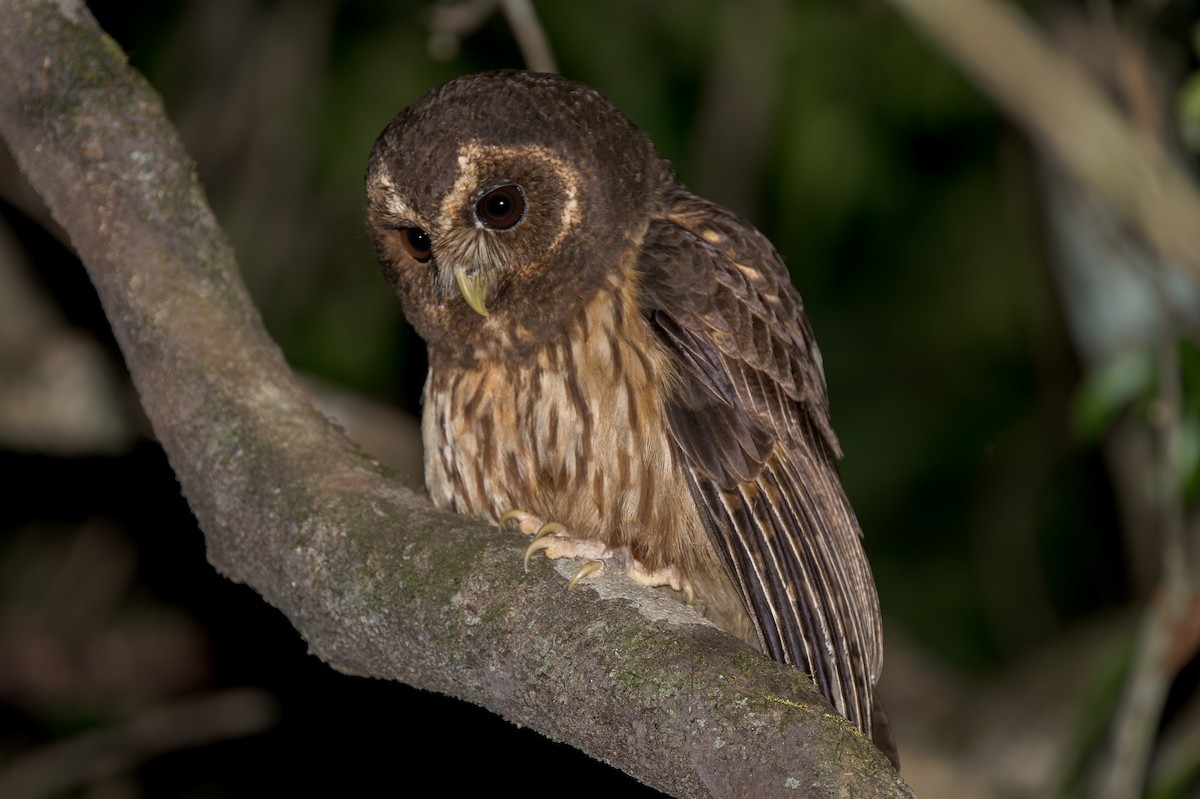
(474, 289)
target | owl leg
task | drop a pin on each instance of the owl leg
(552, 538)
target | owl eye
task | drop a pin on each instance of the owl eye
(417, 243)
(502, 207)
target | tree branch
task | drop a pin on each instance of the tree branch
(1051, 99)
(108, 751)
(1118, 159)
(376, 580)
(527, 30)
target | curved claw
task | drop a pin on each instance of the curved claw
(549, 528)
(689, 594)
(591, 567)
(513, 515)
(538, 545)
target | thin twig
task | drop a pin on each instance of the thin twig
(460, 19)
(1154, 666)
(452, 22)
(1054, 102)
(114, 750)
(1169, 413)
(530, 36)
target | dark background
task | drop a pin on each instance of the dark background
(978, 438)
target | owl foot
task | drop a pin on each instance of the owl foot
(622, 561)
(552, 538)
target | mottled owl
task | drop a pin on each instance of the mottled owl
(622, 369)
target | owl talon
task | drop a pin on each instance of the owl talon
(549, 528)
(527, 523)
(541, 539)
(538, 545)
(553, 539)
(513, 515)
(587, 569)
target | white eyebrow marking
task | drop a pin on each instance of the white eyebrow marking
(392, 204)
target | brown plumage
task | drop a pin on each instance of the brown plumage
(610, 352)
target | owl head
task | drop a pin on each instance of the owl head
(498, 203)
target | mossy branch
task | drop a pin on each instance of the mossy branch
(377, 580)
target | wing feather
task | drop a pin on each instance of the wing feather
(750, 418)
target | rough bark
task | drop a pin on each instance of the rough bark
(377, 580)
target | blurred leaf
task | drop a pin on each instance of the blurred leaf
(1189, 112)
(1109, 390)
(1189, 456)
(1108, 679)
(1177, 776)
(1189, 102)
(1189, 444)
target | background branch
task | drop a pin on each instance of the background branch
(535, 47)
(1091, 149)
(377, 581)
(107, 752)
(1051, 99)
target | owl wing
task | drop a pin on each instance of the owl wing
(750, 416)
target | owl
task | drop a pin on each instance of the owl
(622, 369)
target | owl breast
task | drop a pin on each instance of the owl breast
(564, 435)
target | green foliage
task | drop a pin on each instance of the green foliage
(1105, 692)
(1188, 102)
(1109, 391)
(1129, 384)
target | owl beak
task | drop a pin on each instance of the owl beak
(474, 289)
